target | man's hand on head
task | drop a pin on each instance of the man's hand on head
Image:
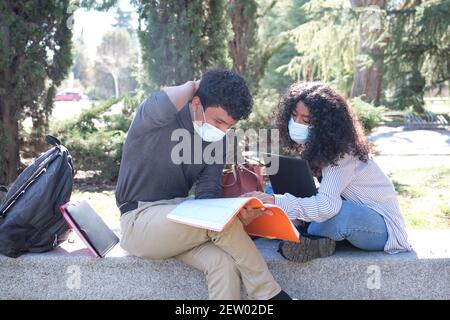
(196, 85)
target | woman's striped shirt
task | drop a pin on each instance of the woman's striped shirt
(359, 182)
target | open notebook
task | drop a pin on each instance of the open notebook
(216, 214)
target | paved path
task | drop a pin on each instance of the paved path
(397, 141)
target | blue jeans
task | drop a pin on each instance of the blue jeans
(361, 226)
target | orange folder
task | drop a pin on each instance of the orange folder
(274, 224)
(216, 214)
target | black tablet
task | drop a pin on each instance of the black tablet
(98, 237)
(293, 176)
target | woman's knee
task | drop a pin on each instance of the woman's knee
(350, 219)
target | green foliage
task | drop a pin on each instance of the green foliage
(264, 106)
(273, 25)
(117, 56)
(249, 52)
(180, 39)
(101, 152)
(326, 44)
(369, 115)
(418, 54)
(415, 37)
(244, 43)
(86, 122)
(116, 61)
(95, 4)
(35, 55)
(123, 21)
(82, 65)
(95, 138)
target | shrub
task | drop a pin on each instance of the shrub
(95, 138)
(369, 115)
(264, 105)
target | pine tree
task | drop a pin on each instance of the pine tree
(326, 44)
(399, 47)
(371, 45)
(418, 53)
(250, 55)
(35, 55)
(181, 38)
(123, 21)
(82, 65)
(285, 15)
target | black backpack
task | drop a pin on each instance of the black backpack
(30, 218)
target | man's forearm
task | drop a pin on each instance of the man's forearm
(181, 94)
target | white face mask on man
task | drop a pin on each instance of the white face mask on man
(208, 132)
(298, 132)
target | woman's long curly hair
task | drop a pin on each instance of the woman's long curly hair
(334, 129)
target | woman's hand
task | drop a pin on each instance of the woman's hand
(248, 214)
(264, 197)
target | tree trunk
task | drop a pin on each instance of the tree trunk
(9, 145)
(238, 45)
(9, 126)
(367, 79)
(116, 83)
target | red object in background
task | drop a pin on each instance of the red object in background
(68, 96)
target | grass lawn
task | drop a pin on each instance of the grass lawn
(423, 188)
(422, 183)
(102, 201)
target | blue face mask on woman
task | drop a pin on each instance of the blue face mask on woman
(298, 132)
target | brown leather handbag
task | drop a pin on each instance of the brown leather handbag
(240, 179)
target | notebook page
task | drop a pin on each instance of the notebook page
(211, 214)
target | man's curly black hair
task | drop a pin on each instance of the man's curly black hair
(334, 129)
(226, 89)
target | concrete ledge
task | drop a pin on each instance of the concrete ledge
(71, 272)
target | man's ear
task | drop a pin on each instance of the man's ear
(196, 104)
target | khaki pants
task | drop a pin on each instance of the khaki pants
(225, 257)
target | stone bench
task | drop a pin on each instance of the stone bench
(71, 272)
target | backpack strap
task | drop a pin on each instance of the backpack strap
(52, 140)
(57, 143)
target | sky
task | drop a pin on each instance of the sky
(92, 25)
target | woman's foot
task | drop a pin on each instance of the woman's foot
(309, 248)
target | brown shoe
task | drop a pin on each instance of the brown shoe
(309, 248)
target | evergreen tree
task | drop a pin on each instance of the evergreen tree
(35, 55)
(326, 44)
(82, 67)
(371, 45)
(284, 16)
(418, 53)
(123, 21)
(181, 38)
(250, 55)
(401, 46)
